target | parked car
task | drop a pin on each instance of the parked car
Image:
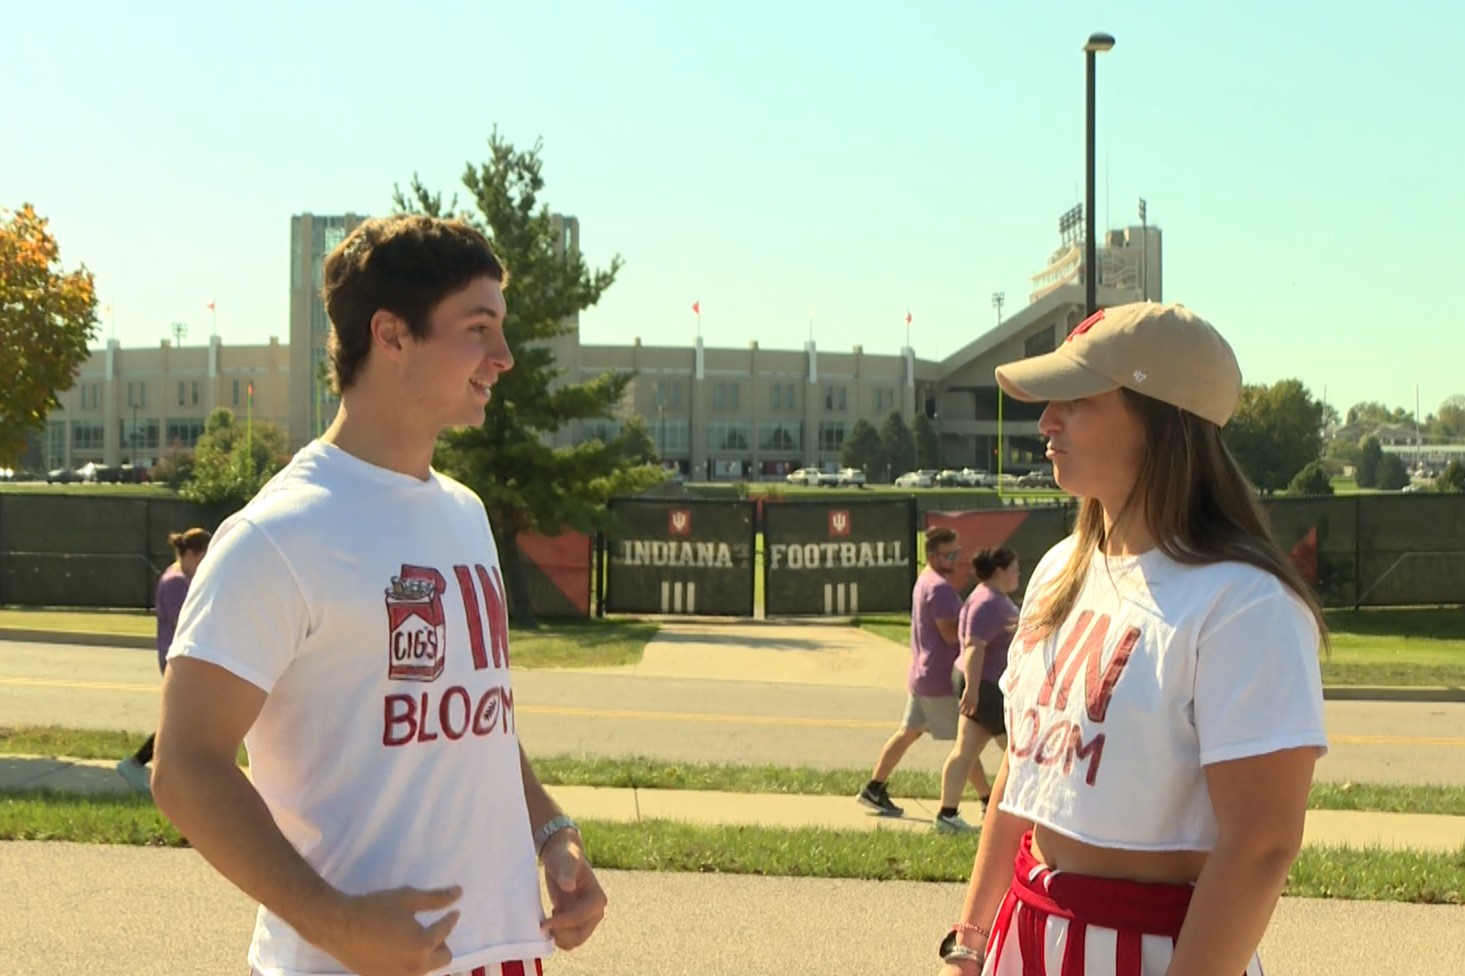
(812, 477)
(972, 478)
(914, 479)
(1037, 479)
(850, 478)
(948, 478)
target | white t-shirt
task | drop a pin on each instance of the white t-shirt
(1160, 670)
(369, 605)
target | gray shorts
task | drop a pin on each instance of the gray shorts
(936, 713)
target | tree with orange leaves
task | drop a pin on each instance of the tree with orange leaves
(46, 319)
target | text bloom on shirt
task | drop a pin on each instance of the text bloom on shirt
(1042, 733)
(417, 651)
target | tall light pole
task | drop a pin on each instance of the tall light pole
(998, 298)
(1096, 43)
(1144, 270)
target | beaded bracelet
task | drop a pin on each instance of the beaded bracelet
(969, 927)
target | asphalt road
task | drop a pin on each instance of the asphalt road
(705, 720)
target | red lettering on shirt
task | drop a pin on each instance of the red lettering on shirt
(422, 718)
(1099, 679)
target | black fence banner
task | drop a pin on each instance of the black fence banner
(680, 557)
(838, 558)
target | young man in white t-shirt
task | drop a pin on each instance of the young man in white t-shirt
(351, 628)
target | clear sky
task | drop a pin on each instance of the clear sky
(1303, 160)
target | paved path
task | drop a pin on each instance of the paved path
(658, 924)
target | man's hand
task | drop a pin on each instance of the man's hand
(574, 894)
(378, 934)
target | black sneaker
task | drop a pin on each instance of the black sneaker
(879, 801)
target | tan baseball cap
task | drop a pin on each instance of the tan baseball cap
(1163, 351)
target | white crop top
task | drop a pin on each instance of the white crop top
(1161, 669)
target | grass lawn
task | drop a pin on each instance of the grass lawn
(1418, 647)
(810, 852)
(131, 623)
(654, 774)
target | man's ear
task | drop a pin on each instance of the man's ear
(389, 333)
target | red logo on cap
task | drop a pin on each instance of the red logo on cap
(1086, 325)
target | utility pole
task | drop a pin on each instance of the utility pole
(998, 299)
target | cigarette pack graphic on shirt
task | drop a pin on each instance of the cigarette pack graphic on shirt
(416, 628)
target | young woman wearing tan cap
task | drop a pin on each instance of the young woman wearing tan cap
(1164, 703)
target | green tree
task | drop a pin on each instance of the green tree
(928, 447)
(897, 446)
(1449, 419)
(47, 317)
(524, 482)
(636, 442)
(1452, 479)
(1311, 480)
(1276, 432)
(1341, 452)
(1370, 458)
(232, 461)
(1374, 413)
(1392, 473)
(861, 449)
(174, 469)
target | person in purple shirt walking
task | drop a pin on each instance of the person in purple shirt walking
(935, 606)
(190, 547)
(986, 625)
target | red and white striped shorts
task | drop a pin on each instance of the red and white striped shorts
(532, 967)
(1054, 923)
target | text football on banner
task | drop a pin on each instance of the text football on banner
(830, 559)
(680, 557)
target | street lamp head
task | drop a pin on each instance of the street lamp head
(1099, 42)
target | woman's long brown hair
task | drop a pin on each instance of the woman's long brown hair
(1197, 504)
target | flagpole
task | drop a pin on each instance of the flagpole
(214, 313)
(249, 427)
(811, 323)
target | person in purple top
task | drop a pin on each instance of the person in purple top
(189, 547)
(935, 606)
(986, 625)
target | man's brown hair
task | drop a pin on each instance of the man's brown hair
(405, 264)
(939, 535)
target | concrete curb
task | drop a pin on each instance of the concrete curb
(76, 637)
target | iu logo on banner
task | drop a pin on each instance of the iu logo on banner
(679, 521)
(839, 522)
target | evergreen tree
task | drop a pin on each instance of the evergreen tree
(525, 483)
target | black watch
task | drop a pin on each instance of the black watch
(947, 943)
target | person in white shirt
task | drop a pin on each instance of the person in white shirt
(1163, 695)
(350, 627)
